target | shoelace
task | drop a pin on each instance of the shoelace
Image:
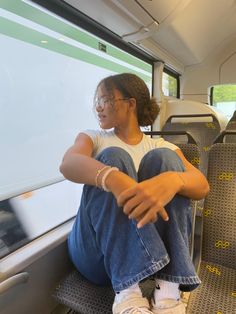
(136, 310)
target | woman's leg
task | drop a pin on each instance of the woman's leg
(174, 233)
(104, 244)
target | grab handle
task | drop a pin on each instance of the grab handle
(13, 281)
(197, 115)
(191, 140)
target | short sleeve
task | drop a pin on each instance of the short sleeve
(162, 143)
(170, 145)
(95, 137)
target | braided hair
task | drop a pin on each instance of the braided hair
(132, 86)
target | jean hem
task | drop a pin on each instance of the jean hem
(155, 267)
(190, 280)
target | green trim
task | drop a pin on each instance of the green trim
(23, 33)
(40, 17)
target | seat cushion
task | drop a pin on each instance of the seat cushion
(79, 294)
(82, 296)
(217, 293)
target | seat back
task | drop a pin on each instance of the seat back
(219, 236)
(188, 146)
(191, 153)
(202, 132)
(226, 136)
(229, 138)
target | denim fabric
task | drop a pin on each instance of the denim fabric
(106, 246)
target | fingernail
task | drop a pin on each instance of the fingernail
(167, 218)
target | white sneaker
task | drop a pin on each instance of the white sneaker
(133, 305)
(168, 306)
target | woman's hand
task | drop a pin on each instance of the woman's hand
(117, 182)
(146, 200)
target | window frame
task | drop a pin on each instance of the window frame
(80, 19)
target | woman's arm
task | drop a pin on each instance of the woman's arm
(79, 166)
(148, 199)
(195, 184)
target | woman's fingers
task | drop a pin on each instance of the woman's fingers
(140, 202)
(162, 212)
(153, 219)
(125, 196)
(140, 210)
(151, 216)
(132, 204)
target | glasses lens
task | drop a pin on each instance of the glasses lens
(102, 102)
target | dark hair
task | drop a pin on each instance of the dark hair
(132, 86)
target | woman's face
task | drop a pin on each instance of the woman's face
(112, 111)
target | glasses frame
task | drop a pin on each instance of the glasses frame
(106, 100)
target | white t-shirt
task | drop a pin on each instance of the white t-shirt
(103, 139)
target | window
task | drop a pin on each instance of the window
(47, 81)
(29, 215)
(170, 84)
(223, 97)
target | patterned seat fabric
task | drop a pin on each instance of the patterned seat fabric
(191, 153)
(79, 294)
(217, 293)
(83, 297)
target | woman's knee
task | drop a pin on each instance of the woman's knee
(118, 157)
(163, 158)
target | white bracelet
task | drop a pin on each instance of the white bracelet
(98, 174)
(103, 184)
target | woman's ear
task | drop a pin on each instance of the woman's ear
(132, 103)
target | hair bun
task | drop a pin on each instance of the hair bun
(149, 113)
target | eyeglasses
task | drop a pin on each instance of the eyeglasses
(106, 101)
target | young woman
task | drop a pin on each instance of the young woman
(134, 219)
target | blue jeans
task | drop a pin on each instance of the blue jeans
(107, 247)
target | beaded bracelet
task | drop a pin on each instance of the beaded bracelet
(105, 176)
(98, 173)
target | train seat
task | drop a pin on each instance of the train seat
(83, 297)
(80, 295)
(217, 293)
(204, 133)
(231, 126)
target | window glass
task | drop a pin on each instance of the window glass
(47, 81)
(224, 98)
(29, 215)
(169, 85)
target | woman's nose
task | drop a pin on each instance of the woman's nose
(99, 108)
